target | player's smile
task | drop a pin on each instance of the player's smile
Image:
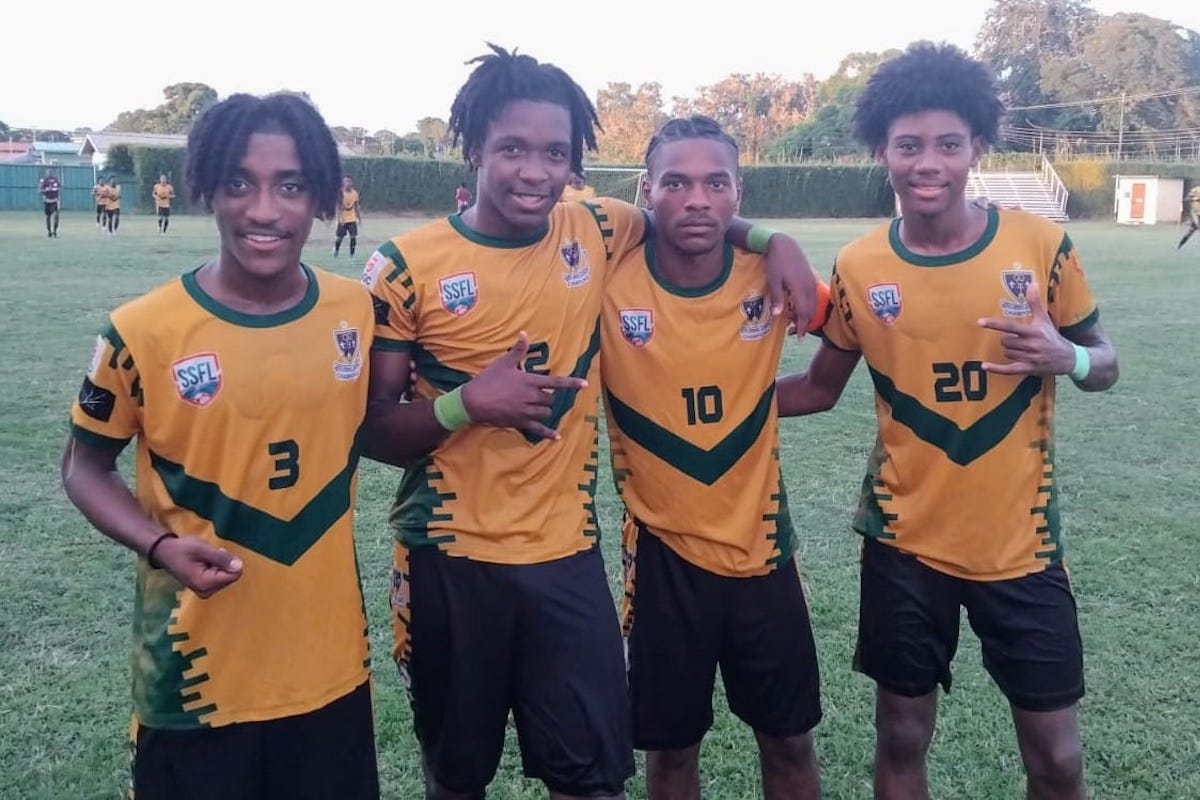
(524, 165)
(265, 209)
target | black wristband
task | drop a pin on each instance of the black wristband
(153, 547)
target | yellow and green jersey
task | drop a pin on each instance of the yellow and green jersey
(962, 474)
(163, 194)
(572, 195)
(348, 210)
(456, 300)
(689, 382)
(245, 429)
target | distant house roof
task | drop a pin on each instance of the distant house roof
(55, 147)
(13, 148)
(101, 142)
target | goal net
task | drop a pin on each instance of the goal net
(623, 183)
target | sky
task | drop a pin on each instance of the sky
(379, 64)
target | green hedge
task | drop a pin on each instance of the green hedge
(407, 184)
(390, 184)
(148, 164)
(822, 190)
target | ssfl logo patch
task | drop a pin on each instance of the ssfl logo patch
(197, 378)
(885, 301)
(459, 293)
(637, 325)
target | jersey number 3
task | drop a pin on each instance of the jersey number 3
(287, 463)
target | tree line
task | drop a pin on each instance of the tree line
(1075, 82)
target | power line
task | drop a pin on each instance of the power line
(1099, 101)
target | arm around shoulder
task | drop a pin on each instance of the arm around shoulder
(819, 387)
(397, 431)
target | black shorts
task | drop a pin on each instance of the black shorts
(164, 211)
(329, 752)
(344, 228)
(908, 626)
(113, 212)
(100, 209)
(684, 621)
(475, 640)
(49, 207)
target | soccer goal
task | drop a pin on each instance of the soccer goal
(623, 183)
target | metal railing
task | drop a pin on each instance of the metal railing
(1057, 188)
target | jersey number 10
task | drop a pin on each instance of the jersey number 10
(704, 404)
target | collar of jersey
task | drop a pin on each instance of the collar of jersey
(689, 291)
(241, 318)
(475, 236)
(949, 259)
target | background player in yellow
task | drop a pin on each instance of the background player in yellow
(500, 595)
(965, 317)
(163, 193)
(690, 359)
(112, 206)
(349, 216)
(245, 385)
(1193, 201)
(577, 189)
(99, 192)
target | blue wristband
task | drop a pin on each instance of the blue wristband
(1083, 363)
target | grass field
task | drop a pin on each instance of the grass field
(1127, 460)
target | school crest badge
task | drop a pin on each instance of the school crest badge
(1016, 284)
(579, 268)
(349, 362)
(756, 321)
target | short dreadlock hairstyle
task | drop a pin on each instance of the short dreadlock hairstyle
(218, 140)
(928, 77)
(503, 77)
(696, 126)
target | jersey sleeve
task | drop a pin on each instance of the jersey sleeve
(393, 295)
(623, 225)
(839, 327)
(1069, 299)
(107, 412)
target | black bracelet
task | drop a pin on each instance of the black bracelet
(153, 547)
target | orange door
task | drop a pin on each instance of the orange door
(1137, 203)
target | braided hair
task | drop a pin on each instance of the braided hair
(502, 77)
(217, 144)
(696, 126)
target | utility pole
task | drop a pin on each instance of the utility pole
(1121, 128)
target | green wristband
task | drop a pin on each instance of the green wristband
(757, 238)
(1083, 363)
(450, 411)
